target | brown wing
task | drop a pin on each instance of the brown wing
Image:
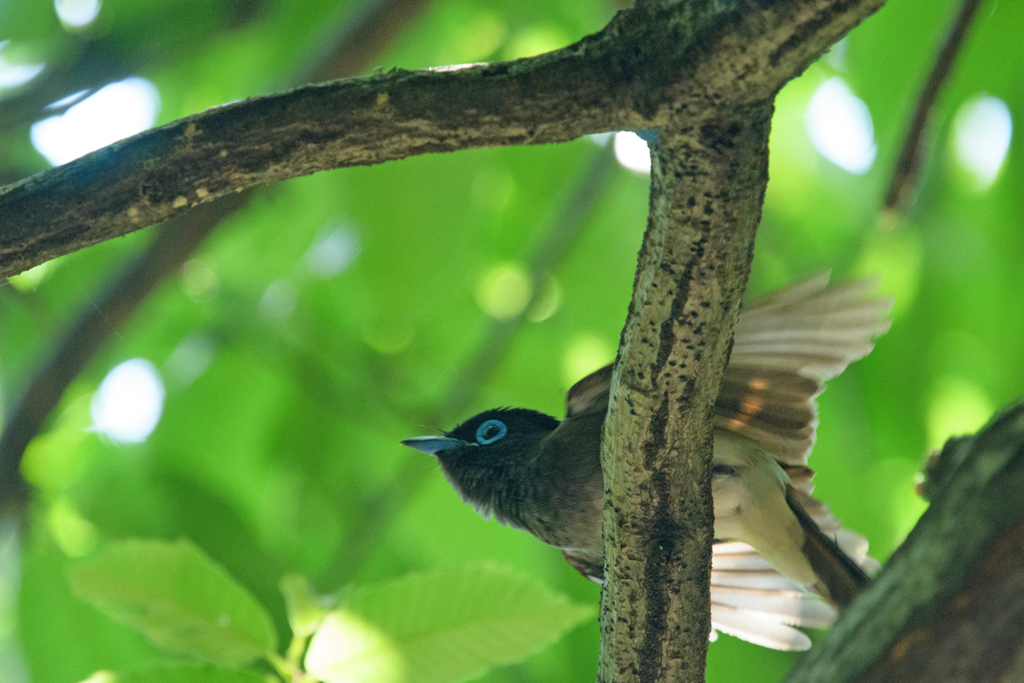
(590, 394)
(801, 481)
(785, 347)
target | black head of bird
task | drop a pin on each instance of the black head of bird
(485, 456)
(525, 469)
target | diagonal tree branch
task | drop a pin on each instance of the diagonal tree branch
(908, 164)
(949, 604)
(654, 65)
(161, 173)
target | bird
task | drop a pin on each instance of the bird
(780, 560)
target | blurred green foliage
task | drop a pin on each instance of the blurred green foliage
(288, 390)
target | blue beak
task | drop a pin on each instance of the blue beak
(433, 444)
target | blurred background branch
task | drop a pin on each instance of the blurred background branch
(357, 41)
(906, 173)
(561, 229)
(78, 66)
(96, 323)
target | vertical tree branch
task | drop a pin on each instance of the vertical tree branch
(707, 187)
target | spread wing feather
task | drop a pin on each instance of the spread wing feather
(749, 599)
(786, 346)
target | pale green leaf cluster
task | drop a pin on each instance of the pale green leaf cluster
(179, 598)
(442, 627)
(448, 625)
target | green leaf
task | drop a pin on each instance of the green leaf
(445, 626)
(306, 609)
(178, 597)
(176, 673)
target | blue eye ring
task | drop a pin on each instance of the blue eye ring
(488, 428)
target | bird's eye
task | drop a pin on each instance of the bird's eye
(490, 431)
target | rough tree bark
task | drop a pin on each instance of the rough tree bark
(700, 75)
(707, 186)
(949, 605)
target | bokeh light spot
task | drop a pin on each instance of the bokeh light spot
(504, 291)
(278, 301)
(632, 152)
(585, 354)
(65, 102)
(54, 461)
(957, 407)
(548, 301)
(836, 55)
(982, 131)
(189, 360)
(389, 336)
(129, 402)
(334, 248)
(476, 38)
(897, 257)
(13, 74)
(199, 281)
(74, 534)
(492, 188)
(536, 40)
(102, 676)
(346, 648)
(29, 280)
(76, 14)
(114, 112)
(839, 126)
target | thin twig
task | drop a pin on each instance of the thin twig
(566, 225)
(906, 174)
(177, 239)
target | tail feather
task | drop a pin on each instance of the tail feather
(758, 629)
(839, 577)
